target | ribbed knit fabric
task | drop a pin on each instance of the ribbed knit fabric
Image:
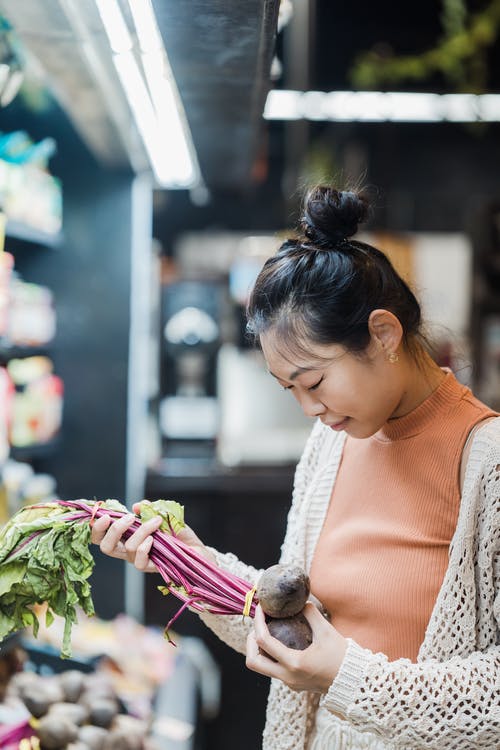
(383, 550)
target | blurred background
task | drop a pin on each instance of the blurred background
(153, 154)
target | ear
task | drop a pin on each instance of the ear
(386, 330)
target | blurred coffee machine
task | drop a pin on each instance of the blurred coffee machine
(191, 338)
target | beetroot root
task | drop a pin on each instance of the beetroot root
(283, 590)
(294, 632)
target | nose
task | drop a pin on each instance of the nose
(311, 405)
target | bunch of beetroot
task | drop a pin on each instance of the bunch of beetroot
(45, 558)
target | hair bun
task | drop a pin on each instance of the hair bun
(331, 216)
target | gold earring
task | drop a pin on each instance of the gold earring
(393, 358)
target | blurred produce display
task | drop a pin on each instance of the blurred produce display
(134, 658)
(101, 699)
(70, 711)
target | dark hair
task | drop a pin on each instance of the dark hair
(322, 286)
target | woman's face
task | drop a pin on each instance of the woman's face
(348, 392)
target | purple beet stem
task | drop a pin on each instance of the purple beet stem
(209, 589)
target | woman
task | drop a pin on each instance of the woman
(395, 512)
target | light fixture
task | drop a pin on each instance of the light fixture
(163, 92)
(379, 106)
(116, 29)
(11, 65)
(156, 106)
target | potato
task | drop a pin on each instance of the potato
(294, 632)
(93, 737)
(102, 711)
(39, 694)
(126, 733)
(283, 590)
(71, 682)
(19, 681)
(99, 684)
(55, 732)
(120, 739)
(75, 712)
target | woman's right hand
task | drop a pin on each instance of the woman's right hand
(108, 535)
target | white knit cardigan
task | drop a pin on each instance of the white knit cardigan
(450, 698)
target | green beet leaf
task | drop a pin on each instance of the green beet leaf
(171, 512)
(45, 558)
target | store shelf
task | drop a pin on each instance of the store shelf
(35, 451)
(8, 352)
(24, 232)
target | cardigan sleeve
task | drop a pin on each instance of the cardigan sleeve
(233, 630)
(438, 705)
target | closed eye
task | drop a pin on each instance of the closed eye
(313, 387)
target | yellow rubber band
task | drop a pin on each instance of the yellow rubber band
(248, 601)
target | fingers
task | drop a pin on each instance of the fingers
(270, 646)
(142, 561)
(136, 507)
(111, 542)
(313, 668)
(109, 535)
(315, 618)
(141, 541)
(259, 661)
(99, 528)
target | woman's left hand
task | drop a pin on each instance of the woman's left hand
(312, 669)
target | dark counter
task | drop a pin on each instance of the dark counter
(241, 510)
(185, 475)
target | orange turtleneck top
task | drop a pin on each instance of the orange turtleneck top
(383, 549)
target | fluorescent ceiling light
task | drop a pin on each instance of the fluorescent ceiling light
(145, 24)
(379, 106)
(164, 94)
(489, 107)
(156, 106)
(114, 23)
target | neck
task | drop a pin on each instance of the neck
(423, 376)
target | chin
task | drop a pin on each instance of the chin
(360, 431)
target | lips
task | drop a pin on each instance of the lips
(337, 425)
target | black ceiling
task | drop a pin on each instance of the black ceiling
(220, 53)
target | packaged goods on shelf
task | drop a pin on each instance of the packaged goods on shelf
(20, 485)
(37, 402)
(6, 398)
(6, 267)
(31, 319)
(31, 196)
